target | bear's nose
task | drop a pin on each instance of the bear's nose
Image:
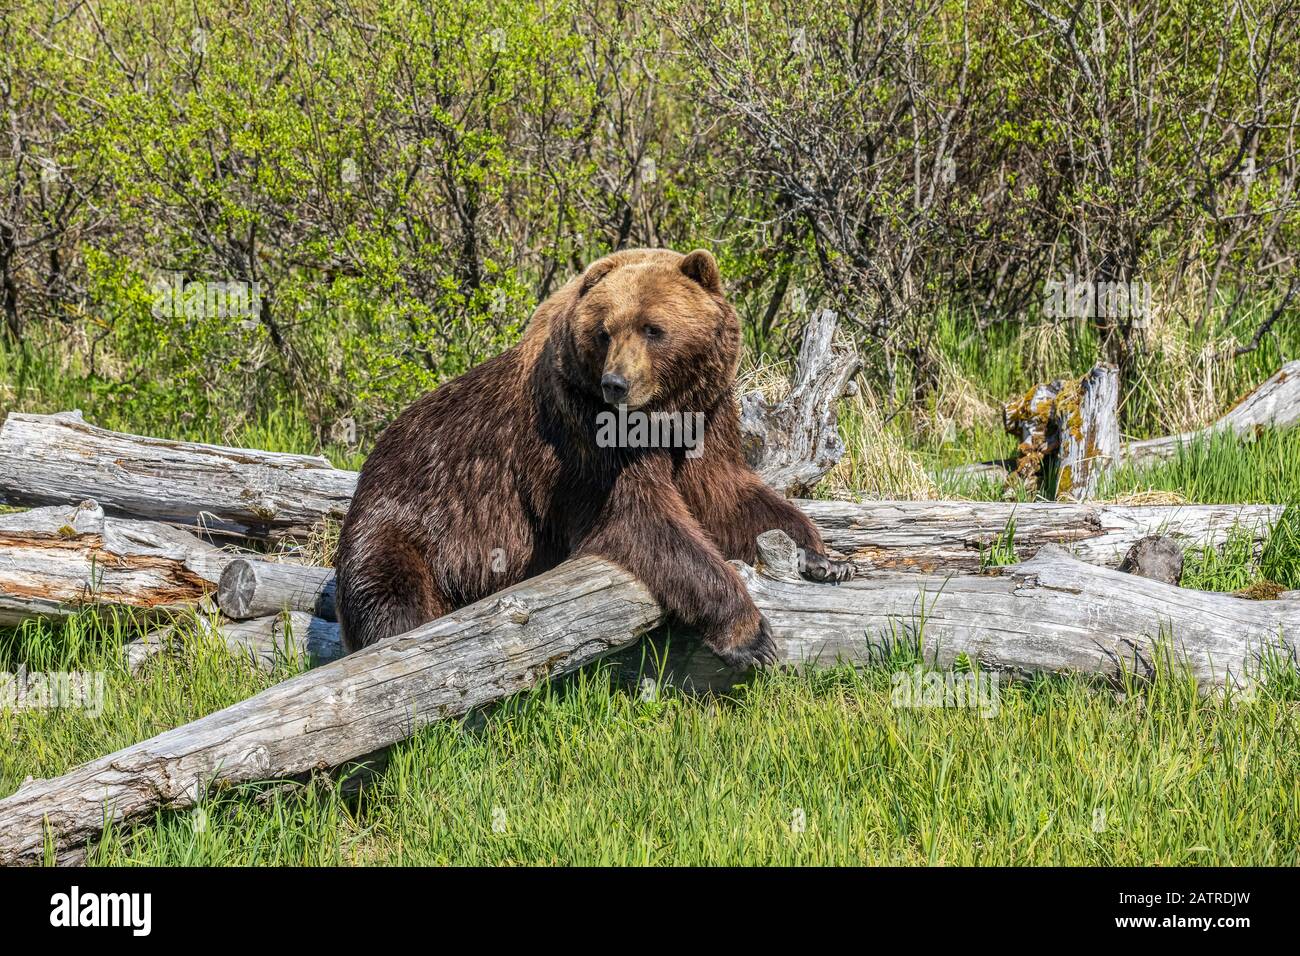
(614, 386)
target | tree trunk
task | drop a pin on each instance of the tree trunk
(250, 588)
(1275, 404)
(54, 561)
(59, 459)
(1073, 424)
(1087, 421)
(918, 536)
(794, 443)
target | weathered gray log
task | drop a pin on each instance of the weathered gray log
(1048, 615)
(295, 638)
(923, 536)
(1275, 404)
(794, 443)
(382, 694)
(60, 459)
(250, 588)
(1087, 423)
(954, 535)
(54, 561)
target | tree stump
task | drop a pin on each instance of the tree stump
(1070, 423)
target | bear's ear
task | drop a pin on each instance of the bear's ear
(703, 268)
(595, 272)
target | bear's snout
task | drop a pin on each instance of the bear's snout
(628, 376)
(614, 387)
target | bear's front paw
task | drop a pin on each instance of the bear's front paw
(818, 567)
(746, 647)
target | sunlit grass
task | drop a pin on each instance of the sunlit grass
(1262, 470)
(34, 381)
(813, 768)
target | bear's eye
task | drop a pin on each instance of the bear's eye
(653, 332)
(602, 337)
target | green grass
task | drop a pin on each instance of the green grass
(587, 772)
(1003, 549)
(1224, 469)
(172, 691)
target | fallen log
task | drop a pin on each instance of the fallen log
(1157, 557)
(294, 638)
(1275, 404)
(250, 588)
(1052, 614)
(918, 536)
(60, 459)
(1048, 615)
(55, 561)
(956, 535)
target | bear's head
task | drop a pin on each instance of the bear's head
(650, 328)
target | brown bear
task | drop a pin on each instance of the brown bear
(513, 467)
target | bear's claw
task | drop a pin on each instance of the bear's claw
(818, 567)
(759, 650)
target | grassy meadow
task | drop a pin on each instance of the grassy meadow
(812, 768)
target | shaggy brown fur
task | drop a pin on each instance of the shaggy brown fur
(499, 474)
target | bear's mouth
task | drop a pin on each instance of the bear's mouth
(623, 395)
(632, 402)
